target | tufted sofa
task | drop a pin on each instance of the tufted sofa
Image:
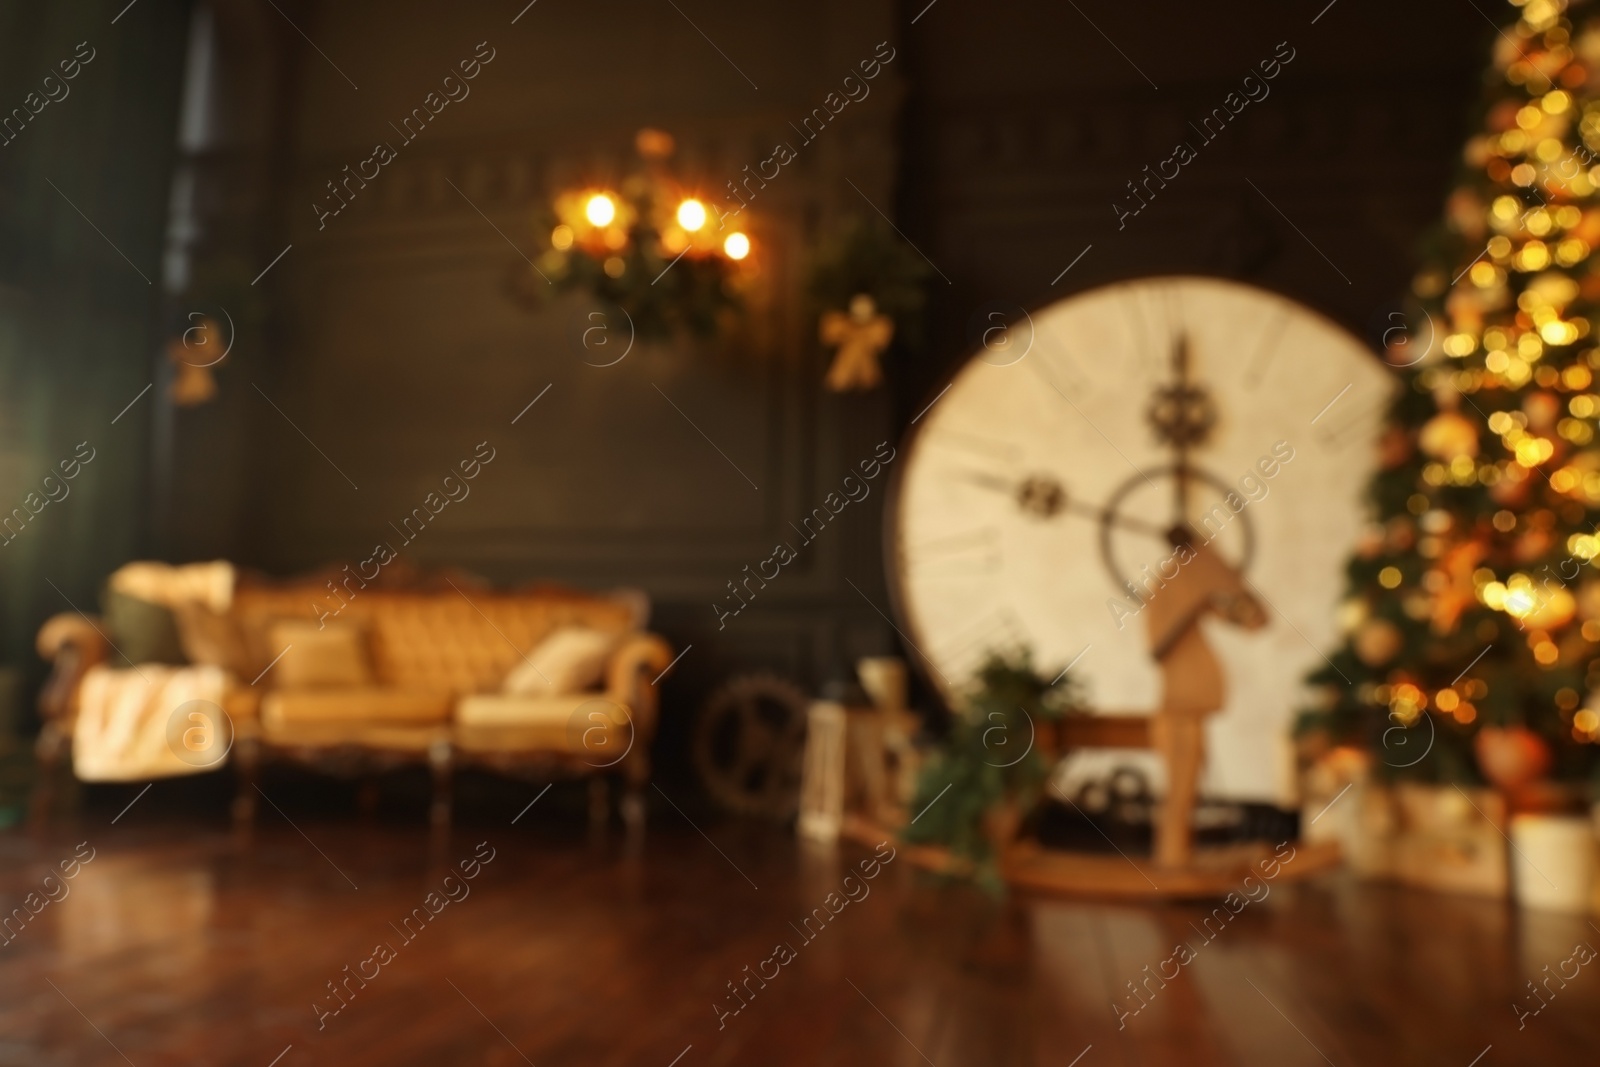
(438, 657)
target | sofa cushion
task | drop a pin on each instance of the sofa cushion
(354, 704)
(320, 656)
(571, 660)
(140, 631)
(141, 600)
(511, 709)
(576, 722)
(214, 638)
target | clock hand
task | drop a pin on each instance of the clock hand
(1180, 473)
(1180, 489)
(988, 481)
(1136, 525)
(1043, 496)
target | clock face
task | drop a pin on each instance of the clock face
(1047, 477)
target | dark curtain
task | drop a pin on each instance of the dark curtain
(84, 186)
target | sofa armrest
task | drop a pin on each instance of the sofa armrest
(634, 665)
(631, 680)
(72, 643)
(631, 674)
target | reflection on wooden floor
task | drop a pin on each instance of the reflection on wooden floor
(173, 946)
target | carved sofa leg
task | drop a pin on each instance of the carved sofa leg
(246, 772)
(636, 777)
(599, 801)
(441, 761)
(47, 753)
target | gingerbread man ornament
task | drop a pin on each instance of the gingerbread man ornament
(860, 335)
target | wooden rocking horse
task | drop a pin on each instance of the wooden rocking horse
(1192, 684)
(1193, 688)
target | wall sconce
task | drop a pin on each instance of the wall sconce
(650, 245)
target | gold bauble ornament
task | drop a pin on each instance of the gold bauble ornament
(1589, 601)
(1467, 307)
(1456, 590)
(1447, 435)
(1588, 228)
(1553, 608)
(1532, 545)
(1377, 642)
(1511, 757)
(1503, 115)
(1466, 213)
(1542, 409)
(1400, 534)
(1394, 448)
(1369, 545)
(1511, 493)
(1350, 614)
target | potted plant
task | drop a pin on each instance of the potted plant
(978, 788)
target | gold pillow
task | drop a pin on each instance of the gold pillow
(215, 638)
(317, 656)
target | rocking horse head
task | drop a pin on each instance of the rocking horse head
(1206, 584)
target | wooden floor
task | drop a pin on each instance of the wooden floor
(175, 946)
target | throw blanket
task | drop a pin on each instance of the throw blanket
(210, 584)
(123, 715)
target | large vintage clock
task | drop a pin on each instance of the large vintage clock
(1036, 497)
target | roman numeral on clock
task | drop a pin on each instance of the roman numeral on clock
(1339, 429)
(975, 443)
(1266, 348)
(998, 631)
(975, 551)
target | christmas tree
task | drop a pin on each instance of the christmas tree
(1475, 593)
